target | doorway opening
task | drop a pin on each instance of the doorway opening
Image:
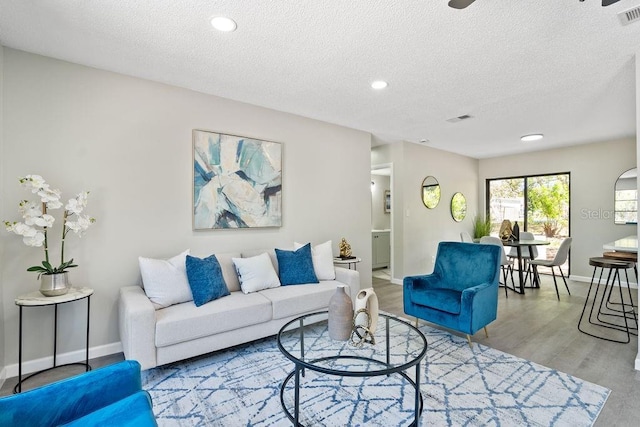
(382, 221)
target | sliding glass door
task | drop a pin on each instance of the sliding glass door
(540, 205)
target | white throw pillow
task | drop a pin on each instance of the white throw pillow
(322, 257)
(256, 273)
(165, 281)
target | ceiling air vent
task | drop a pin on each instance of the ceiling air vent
(629, 16)
(459, 118)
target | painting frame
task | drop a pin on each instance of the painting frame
(236, 182)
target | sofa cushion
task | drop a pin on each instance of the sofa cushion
(270, 252)
(256, 273)
(205, 279)
(294, 300)
(447, 300)
(296, 267)
(185, 322)
(322, 256)
(165, 281)
(229, 269)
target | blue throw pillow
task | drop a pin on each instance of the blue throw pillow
(296, 267)
(205, 279)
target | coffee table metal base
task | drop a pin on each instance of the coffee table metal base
(295, 417)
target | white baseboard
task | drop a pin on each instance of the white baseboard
(588, 280)
(396, 281)
(29, 366)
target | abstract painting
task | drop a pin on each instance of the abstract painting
(237, 182)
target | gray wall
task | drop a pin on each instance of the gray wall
(594, 170)
(637, 142)
(380, 220)
(2, 202)
(128, 141)
(418, 230)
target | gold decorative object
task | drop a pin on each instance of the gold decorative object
(505, 230)
(345, 249)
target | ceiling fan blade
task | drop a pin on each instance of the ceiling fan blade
(609, 2)
(461, 4)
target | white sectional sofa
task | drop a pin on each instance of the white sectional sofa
(156, 337)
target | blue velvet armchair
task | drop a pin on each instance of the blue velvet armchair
(462, 292)
(109, 396)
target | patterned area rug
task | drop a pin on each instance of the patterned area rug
(476, 386)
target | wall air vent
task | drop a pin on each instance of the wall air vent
(459, 118)
(629, 16)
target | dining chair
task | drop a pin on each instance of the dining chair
(557, 261)
(506, 264)
(526, 256)
(466, 237)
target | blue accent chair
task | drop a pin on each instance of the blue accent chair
(461, 293)
(109, 396)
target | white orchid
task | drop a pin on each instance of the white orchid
(51, 198)
(36, 240)
(80, 226)
(37, 221)
(29, 209)
(45, 220)
(76, 205)
(33, 183)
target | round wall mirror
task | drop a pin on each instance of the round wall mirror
(626, 198)
(458, 207)
(430, 192)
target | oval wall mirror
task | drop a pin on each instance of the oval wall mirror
(458, 207)
(626, 198)
(430, 192)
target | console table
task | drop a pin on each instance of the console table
(36, 299)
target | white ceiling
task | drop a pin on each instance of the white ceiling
(563, 68)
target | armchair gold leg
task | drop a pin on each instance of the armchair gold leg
(416, 322)
(486, 332)
(469, 340)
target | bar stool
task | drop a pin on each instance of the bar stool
(605, 315)
(624, 256)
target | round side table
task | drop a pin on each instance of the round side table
(36, 299)
(348, 262)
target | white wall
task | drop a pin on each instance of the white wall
(128, 141)
(418, 230)
(594, 170)
(637, 141)
(380, 220)
(2, 202)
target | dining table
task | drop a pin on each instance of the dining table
(519, 244)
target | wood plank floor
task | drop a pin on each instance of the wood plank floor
(535, 326)
(538, 327)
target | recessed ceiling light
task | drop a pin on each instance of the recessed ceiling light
(532, 137)
(222, 23)
(379, 84)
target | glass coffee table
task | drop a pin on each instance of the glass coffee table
(305, 341)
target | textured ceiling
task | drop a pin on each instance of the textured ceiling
(561, 67)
